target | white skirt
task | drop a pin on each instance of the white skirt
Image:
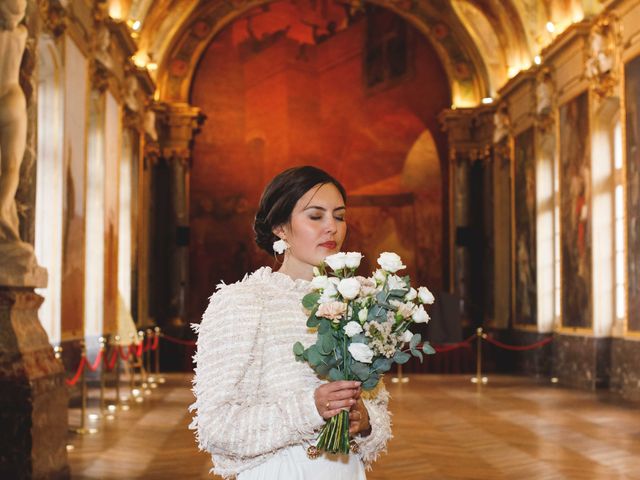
(292, 463)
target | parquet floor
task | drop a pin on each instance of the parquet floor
(513, 428)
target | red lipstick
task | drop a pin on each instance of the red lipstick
(329, 245)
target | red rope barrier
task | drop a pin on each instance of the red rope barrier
(112, 363)
(136, 350)
(122, 355)
(452, 346)
(179, 341)
(156, 341)
(518, 348)
(76, 377)
(96, 363)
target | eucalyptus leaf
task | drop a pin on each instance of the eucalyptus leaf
(324, 326)
(335, 374)
(313, 321)
(360, 370)
(428, 349)
(298, 349)
(398, 293)
(415, 340)
(383, 364)
(359, 338)
(310, 300)
(371, 382)
(401, 357)
(322, 369)
(315, 357)
(326, 343)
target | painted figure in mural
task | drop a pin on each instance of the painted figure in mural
(525, 278)
(257, 408)
(13, 114)
(103, 45)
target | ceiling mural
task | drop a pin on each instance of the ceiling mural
(481, 43)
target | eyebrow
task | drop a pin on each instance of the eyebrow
(324, 209)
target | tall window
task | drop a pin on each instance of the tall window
(619, 222)
(49, 188)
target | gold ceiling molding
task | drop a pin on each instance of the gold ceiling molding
(435, 19)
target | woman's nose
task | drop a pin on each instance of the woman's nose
(332, 225)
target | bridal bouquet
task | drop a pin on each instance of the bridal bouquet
(363, 328)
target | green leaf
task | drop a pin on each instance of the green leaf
(415, 340)
(313, 321)
(315, 357)
(298, 349)
(428, 349)
(326, 343)
(324, 326)
(382, 364)
(335, 374)
(417, 353)
(371, 382)
(401, 357)
(398, 293)
(360, 370)
(322, 369)
(359, 338)
(310, 300)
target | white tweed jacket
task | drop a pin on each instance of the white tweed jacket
(252, 397)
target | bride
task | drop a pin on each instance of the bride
(257, 409)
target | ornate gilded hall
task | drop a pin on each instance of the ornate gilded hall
(493, 144)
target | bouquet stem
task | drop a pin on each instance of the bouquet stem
(334, 437)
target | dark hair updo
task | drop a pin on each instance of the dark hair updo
(280, 197)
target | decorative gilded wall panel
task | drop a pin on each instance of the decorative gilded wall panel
(632, 108)
(525, 229)
(575, 213)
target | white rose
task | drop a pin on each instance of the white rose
(379, 276)
(316, 271)
(349, 288)
(420, 315)
(407, 336)
(363, 314)
(394, 282)
(425, 295)
(411, 295)
(352, 328)
(391, 262)
(320, 282)
(336, 261)
(404, 309)
(361, 352)
(329, 292)
(352, 259)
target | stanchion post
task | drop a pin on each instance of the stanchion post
(159, 378)
(82, 430)
(399, 378)
(102, 372)
(116, 345)
(479, 379)
(151, 379)
(143, 372)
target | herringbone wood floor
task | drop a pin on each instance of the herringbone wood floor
(514, 428)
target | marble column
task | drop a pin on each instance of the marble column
(179, 123)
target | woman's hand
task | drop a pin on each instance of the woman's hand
(359, 419)
(335, 396)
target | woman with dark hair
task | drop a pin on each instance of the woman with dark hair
(257, 408)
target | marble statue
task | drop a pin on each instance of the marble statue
(13, 114)
(131, 93)
(18, 266)
(501, 124)
(600, 60)
(103, 46)
(544, 94)
(150, 124)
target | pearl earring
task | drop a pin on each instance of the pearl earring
(279, 246)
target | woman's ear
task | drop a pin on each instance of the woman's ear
(279, 232)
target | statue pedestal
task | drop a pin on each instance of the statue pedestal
(33, 395)
(19, 266)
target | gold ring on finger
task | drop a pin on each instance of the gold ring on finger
(328, 405)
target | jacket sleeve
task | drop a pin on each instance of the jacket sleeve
(377, 402)
(232, 418)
